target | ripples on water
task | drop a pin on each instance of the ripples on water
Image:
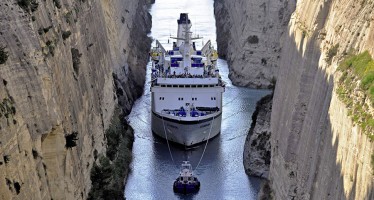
(221, 171)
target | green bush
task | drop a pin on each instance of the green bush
(331, 53)
(108, 176)
(71, 140)
(51, 47)
(46, 29)
(360, 64)
(7, 108)
(65, 34)
(3, 55)
(28, 5)
(57, 3)
(76, 59)
(367, 80)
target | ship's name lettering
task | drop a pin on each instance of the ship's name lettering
(204, 125)
(172, 126)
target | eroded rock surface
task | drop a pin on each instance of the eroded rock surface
(248, 36)
(256, 156)
(317, 152)
(70, 63)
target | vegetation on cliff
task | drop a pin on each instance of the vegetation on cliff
(28, 5)
(358, 78)
(3, 55)
(108, 174)
(358, 75)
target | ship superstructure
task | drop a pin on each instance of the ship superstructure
(186, 89)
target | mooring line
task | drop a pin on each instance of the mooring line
(206, 144)
(167, 141)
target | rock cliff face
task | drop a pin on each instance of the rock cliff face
(70, 63)
(256, 156)
(248, 36)
(317, 151)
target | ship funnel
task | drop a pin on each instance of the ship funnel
(184, 25)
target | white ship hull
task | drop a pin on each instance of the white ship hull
(187, 133)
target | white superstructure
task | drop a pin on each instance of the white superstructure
(186, 89)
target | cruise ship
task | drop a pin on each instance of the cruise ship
(186, 89)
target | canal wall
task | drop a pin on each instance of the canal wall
(317, 150)
(65, 68)
(256, 155)
(248, 37)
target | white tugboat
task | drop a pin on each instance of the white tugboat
(186, 89)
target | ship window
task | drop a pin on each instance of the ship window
(179, 99)
(193, 99)
(182, 99)
(214, 98)
(211, 98)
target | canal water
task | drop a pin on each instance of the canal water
(221, 171)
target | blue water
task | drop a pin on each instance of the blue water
(221, 171)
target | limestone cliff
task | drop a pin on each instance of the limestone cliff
(248, 36)
(256, 155)
(69, 64)
(318, 152)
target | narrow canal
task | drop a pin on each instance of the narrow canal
(221, 171)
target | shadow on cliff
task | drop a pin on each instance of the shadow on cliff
(309, 145)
